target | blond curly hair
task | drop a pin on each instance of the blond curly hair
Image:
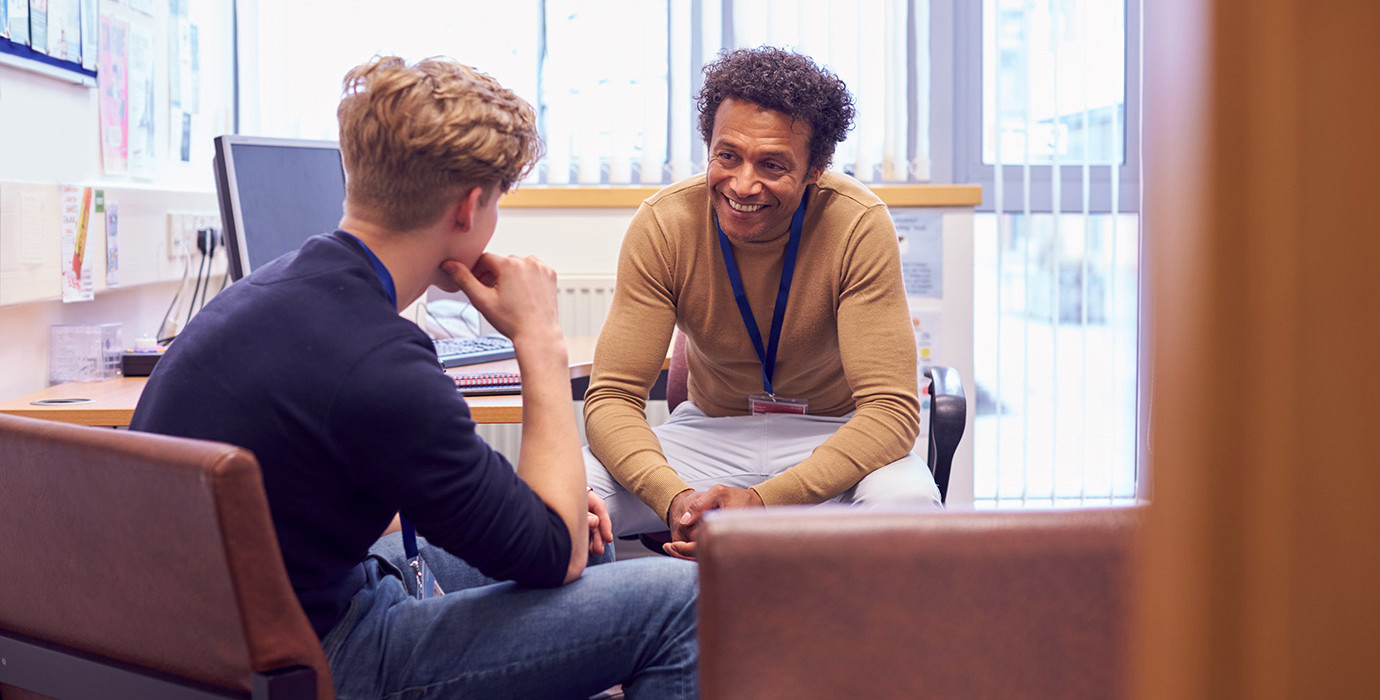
(415, 137)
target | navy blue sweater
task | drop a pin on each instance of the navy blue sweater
(306, 363)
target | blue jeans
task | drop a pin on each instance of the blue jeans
(629, 622)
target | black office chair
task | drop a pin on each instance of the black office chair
(948, 417)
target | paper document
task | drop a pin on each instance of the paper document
(921, 237)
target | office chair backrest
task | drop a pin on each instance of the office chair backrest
(146, 552)
(948, 417)
(948, 409)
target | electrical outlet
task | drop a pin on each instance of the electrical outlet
(174, 230)
(180, 234)
(204, 220)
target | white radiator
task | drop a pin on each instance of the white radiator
(582, 302)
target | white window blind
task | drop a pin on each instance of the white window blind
(612, 80)
(1056, 257)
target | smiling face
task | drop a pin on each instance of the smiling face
(758, 169)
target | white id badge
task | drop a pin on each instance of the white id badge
(427, 586)
(767, 403)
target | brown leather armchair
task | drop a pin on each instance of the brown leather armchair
(827, 602)
(143, 566)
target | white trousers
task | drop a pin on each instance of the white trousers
(743, 451)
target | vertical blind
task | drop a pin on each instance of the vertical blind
(621, 111)
(1056, 283)
(612, 80)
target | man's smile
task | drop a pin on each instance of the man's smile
(744, 208)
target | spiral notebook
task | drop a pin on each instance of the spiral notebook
(486, 383)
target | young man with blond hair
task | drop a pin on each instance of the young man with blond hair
(307, 363)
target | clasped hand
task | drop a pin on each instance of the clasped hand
(600, 527)
(688, 509)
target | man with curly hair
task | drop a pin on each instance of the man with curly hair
(307, 363)
(785, 280)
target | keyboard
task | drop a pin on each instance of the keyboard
(455, 352)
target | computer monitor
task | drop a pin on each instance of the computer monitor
(274, 195)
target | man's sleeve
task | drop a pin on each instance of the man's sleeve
(416, 449)
(877, 348)
(630, 354)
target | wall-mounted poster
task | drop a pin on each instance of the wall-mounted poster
(38, 25)
(19, 20)
(113, 81)
(921, 236)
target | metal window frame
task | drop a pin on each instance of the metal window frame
(962, 35)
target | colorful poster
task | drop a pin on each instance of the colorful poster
(76, 264)
(113, 79)
(926, 324)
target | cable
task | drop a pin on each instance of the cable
(186, 268)
(427, 308)
(206, 243)
(473, 326)
(191, 304)
(206, 289)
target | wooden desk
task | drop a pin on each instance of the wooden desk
(111, 403)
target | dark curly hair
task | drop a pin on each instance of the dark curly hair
(786, 82)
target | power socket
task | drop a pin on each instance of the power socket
(210, 224)
(181, 234)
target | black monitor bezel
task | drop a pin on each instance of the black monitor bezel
(227, 191)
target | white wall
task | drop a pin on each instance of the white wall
(574, 241)
(49, 136)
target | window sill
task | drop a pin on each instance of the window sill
(630, 196)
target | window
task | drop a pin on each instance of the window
(1037, 101)
(1048, 125)
(612, 80)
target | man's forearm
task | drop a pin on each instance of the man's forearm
(550, 461)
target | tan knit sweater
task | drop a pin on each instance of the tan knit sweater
(846, 343)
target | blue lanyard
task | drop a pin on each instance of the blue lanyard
(767, 355)
(409, 533)
(384, 276)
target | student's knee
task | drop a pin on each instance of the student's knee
(672, 585)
